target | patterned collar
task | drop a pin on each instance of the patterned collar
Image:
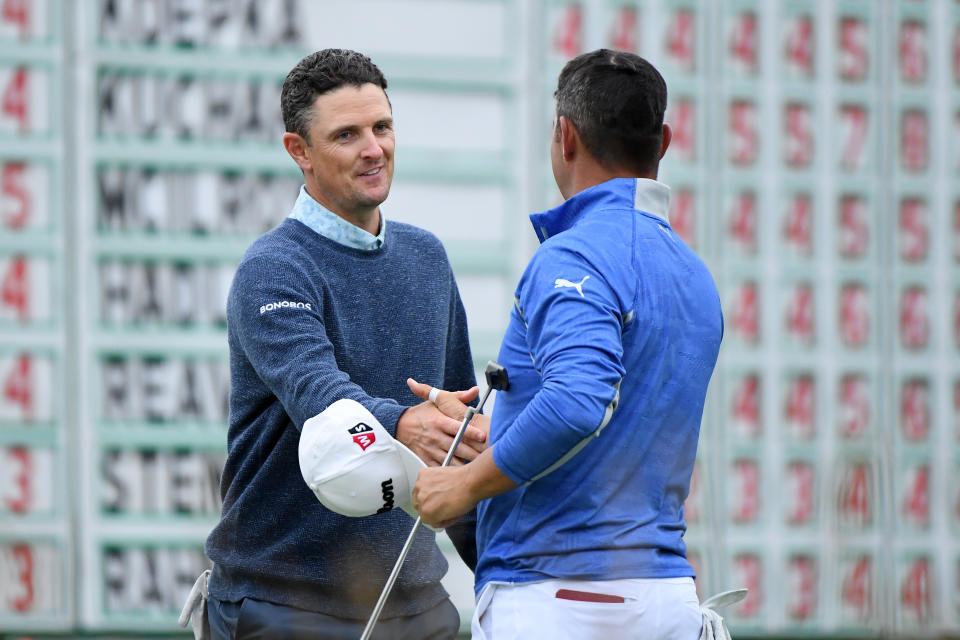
(330, 225)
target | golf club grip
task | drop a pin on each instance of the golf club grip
(471, 411)
(467, 417)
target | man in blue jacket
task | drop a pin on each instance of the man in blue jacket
(610, 347)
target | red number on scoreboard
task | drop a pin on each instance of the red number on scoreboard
(854, 230)
(915, 409)
(12, 189)
(801, 407)
(915, 590)
(743, 221)
(914, 237)
(15, 100)
(798, 147)
(566, 41)
(917, 503)
(743, 41)
(855, 497)
(913, 51)
(744, 140)
(854, 406)
(624, 36)
(18, 387)
(21, 502)
(14, 291)
(803, 587)
(680, 39)
(23, 556)
(747, 501)
(854, 315)
(914, 137)
(857, 587)
(800, 313)
(799, 44)
(800, 508)
(682, 216)
(748, 568)
(683, 124)
(746, 313)
(914, 323)
(798, 224)
(17, 12)
(855, 121)
(746, 405)
(854, 58)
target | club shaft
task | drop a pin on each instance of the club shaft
(390, 580)
(471, 411)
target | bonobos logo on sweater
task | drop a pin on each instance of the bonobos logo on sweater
(285, 304)
(363, 435)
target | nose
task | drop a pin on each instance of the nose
(371, 147)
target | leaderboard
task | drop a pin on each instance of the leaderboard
(814, 166)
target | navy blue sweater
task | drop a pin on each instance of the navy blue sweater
(311, 321)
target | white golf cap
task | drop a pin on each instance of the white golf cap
(353, 465)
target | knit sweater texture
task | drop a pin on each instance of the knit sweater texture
(311, 321)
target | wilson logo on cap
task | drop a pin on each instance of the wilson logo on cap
(363, 435)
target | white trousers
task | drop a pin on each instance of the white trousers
(666, 609)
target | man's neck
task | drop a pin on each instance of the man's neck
(592, 176)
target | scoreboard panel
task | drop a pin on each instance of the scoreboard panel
(814, 167)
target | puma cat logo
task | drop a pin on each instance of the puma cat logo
(563, 282)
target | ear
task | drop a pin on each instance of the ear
(296, 146)
(569, 139)
(666, 137)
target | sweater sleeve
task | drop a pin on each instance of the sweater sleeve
(287, 343)
(575, 341)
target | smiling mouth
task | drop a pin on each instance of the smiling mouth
(372, 172)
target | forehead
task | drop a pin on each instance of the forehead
(350, 106)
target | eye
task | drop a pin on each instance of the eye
(382, 127)
(344, 135)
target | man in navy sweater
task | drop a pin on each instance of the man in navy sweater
(335, 302)
(610, 347)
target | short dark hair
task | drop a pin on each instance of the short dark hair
(318, 73)
(616, 100)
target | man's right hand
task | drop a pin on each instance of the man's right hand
(428, 432)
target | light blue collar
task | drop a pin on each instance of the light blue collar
(330, 225)
(650, 197)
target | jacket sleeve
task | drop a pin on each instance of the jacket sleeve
(576, 345)
(288, 347)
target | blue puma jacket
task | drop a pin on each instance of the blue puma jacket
(609, 350)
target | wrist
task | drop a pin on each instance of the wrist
(472, 482)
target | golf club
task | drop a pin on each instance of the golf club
(496, 376)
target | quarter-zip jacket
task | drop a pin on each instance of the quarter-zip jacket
(610, 348)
